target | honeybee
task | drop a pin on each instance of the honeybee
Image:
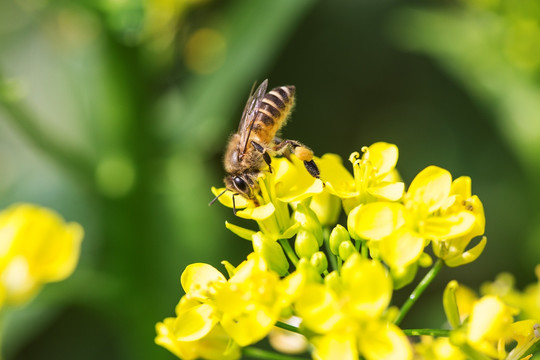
(250, 147)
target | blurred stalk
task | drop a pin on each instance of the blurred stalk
(29, 125)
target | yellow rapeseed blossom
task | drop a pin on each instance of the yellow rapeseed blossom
(36, 247)
(337, 282)
(346, 314)
(375, 177)
(433, 209)
(244, 309)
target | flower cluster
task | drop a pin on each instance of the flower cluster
(36, 247)
(339, 280)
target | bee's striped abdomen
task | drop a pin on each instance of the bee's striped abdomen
(272, 113)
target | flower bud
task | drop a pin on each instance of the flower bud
(309, 272)
(346, 249)
(309, 221)
(337, 236)
(319, 261)
(305, 244)
(271, 252)
(450, 304)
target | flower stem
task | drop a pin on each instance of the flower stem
(289, 251)
(420, 288)
(265, 354)
(285, 326)
(432, 332)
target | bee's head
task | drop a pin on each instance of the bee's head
(243, 184)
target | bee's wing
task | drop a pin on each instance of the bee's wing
(250, 111)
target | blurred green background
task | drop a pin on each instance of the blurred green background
(115, 113)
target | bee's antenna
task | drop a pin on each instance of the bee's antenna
(233, 205)
(214, 199)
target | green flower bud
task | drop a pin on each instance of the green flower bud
(309, 271)
(319, 261)
(337, 236)
(333, 281)
(450, 304)
(309, 221)
(403, 276)
(271, 252)
(346, 249)
(305, 244)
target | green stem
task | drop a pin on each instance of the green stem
(432, 332)
(285, 326)
(265, 354)
(289, 251)
(30, 126)
(420, 288)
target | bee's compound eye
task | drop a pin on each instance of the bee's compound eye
(240, 184)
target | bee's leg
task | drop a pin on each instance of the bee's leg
(302, 152)
(312, 169)
(262, 150)
(282, 151)
(233, 204)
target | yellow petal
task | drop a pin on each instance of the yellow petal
(401, 248)
(375, 221)
(337, 178)
(387, 191)
(448, 227)
(461, 186)
(430, 188)
(250, 326)
(240, 231)
(368, 286)
(467, 256)
(196, 278)
(257, 213)
(384, 341)
(226, 199)
(318, 308)
(195, 323)
(383, 157)
(335, 346)
(293, 181)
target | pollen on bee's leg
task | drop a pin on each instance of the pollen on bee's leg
(303, 153)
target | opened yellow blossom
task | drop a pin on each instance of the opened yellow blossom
(36, 247)
(346, 314)
(433, 209)
(375, 177)
(528, 300)
(244, 308)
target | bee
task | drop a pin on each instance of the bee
(250, 147)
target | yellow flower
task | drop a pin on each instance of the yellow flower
(346, 314)
(489, 324)
(528, 301)
(374, 176)
(36, 247)
(526, 333)
(431, 348)
(433, 209)
(243, 309)
(215, 345)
